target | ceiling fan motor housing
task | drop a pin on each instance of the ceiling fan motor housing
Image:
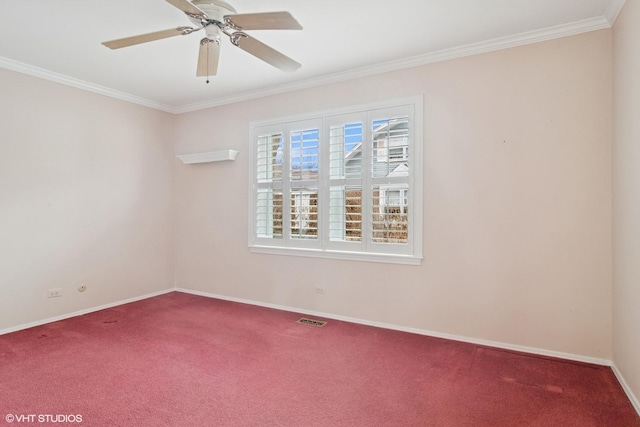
(216, 11)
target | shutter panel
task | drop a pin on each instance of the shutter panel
(390, 180)
(269, 197)
(304, 158)
(390, 214)
(390, 145)
(345, 178)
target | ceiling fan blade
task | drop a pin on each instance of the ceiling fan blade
(187, 7)
(208, 57)
(263, 21)
(149, 37)
(264, 52)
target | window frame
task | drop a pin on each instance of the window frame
(323, 246)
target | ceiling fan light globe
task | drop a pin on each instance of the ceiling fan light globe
(213, 32)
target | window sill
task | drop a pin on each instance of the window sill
(340, 255)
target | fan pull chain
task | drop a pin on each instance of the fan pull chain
(208, 45)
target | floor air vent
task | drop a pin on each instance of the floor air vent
(318, 323)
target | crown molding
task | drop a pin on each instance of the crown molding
(614, 9)
(500, 43)
(529, 37)
(20, 67)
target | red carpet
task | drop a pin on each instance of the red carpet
(184, 360)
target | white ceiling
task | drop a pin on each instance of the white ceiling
(60, 41)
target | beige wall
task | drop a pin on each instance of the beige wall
(517, 183)
(626, 197)
(86, 196)
(517, 191)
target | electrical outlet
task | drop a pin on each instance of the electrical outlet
(319, 290)
(52, 293)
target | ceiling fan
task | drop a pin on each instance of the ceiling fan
(216, 18)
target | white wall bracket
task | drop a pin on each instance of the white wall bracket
(212, 156)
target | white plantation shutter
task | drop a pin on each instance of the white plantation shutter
(269, 185)
(345, 181)
(390, 179)
(342, 184)
(303, 148)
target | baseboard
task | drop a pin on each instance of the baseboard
(496, 344)
(81, 312)
(626, 388)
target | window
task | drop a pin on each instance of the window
(341, 184)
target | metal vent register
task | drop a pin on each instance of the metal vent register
(312, 322)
